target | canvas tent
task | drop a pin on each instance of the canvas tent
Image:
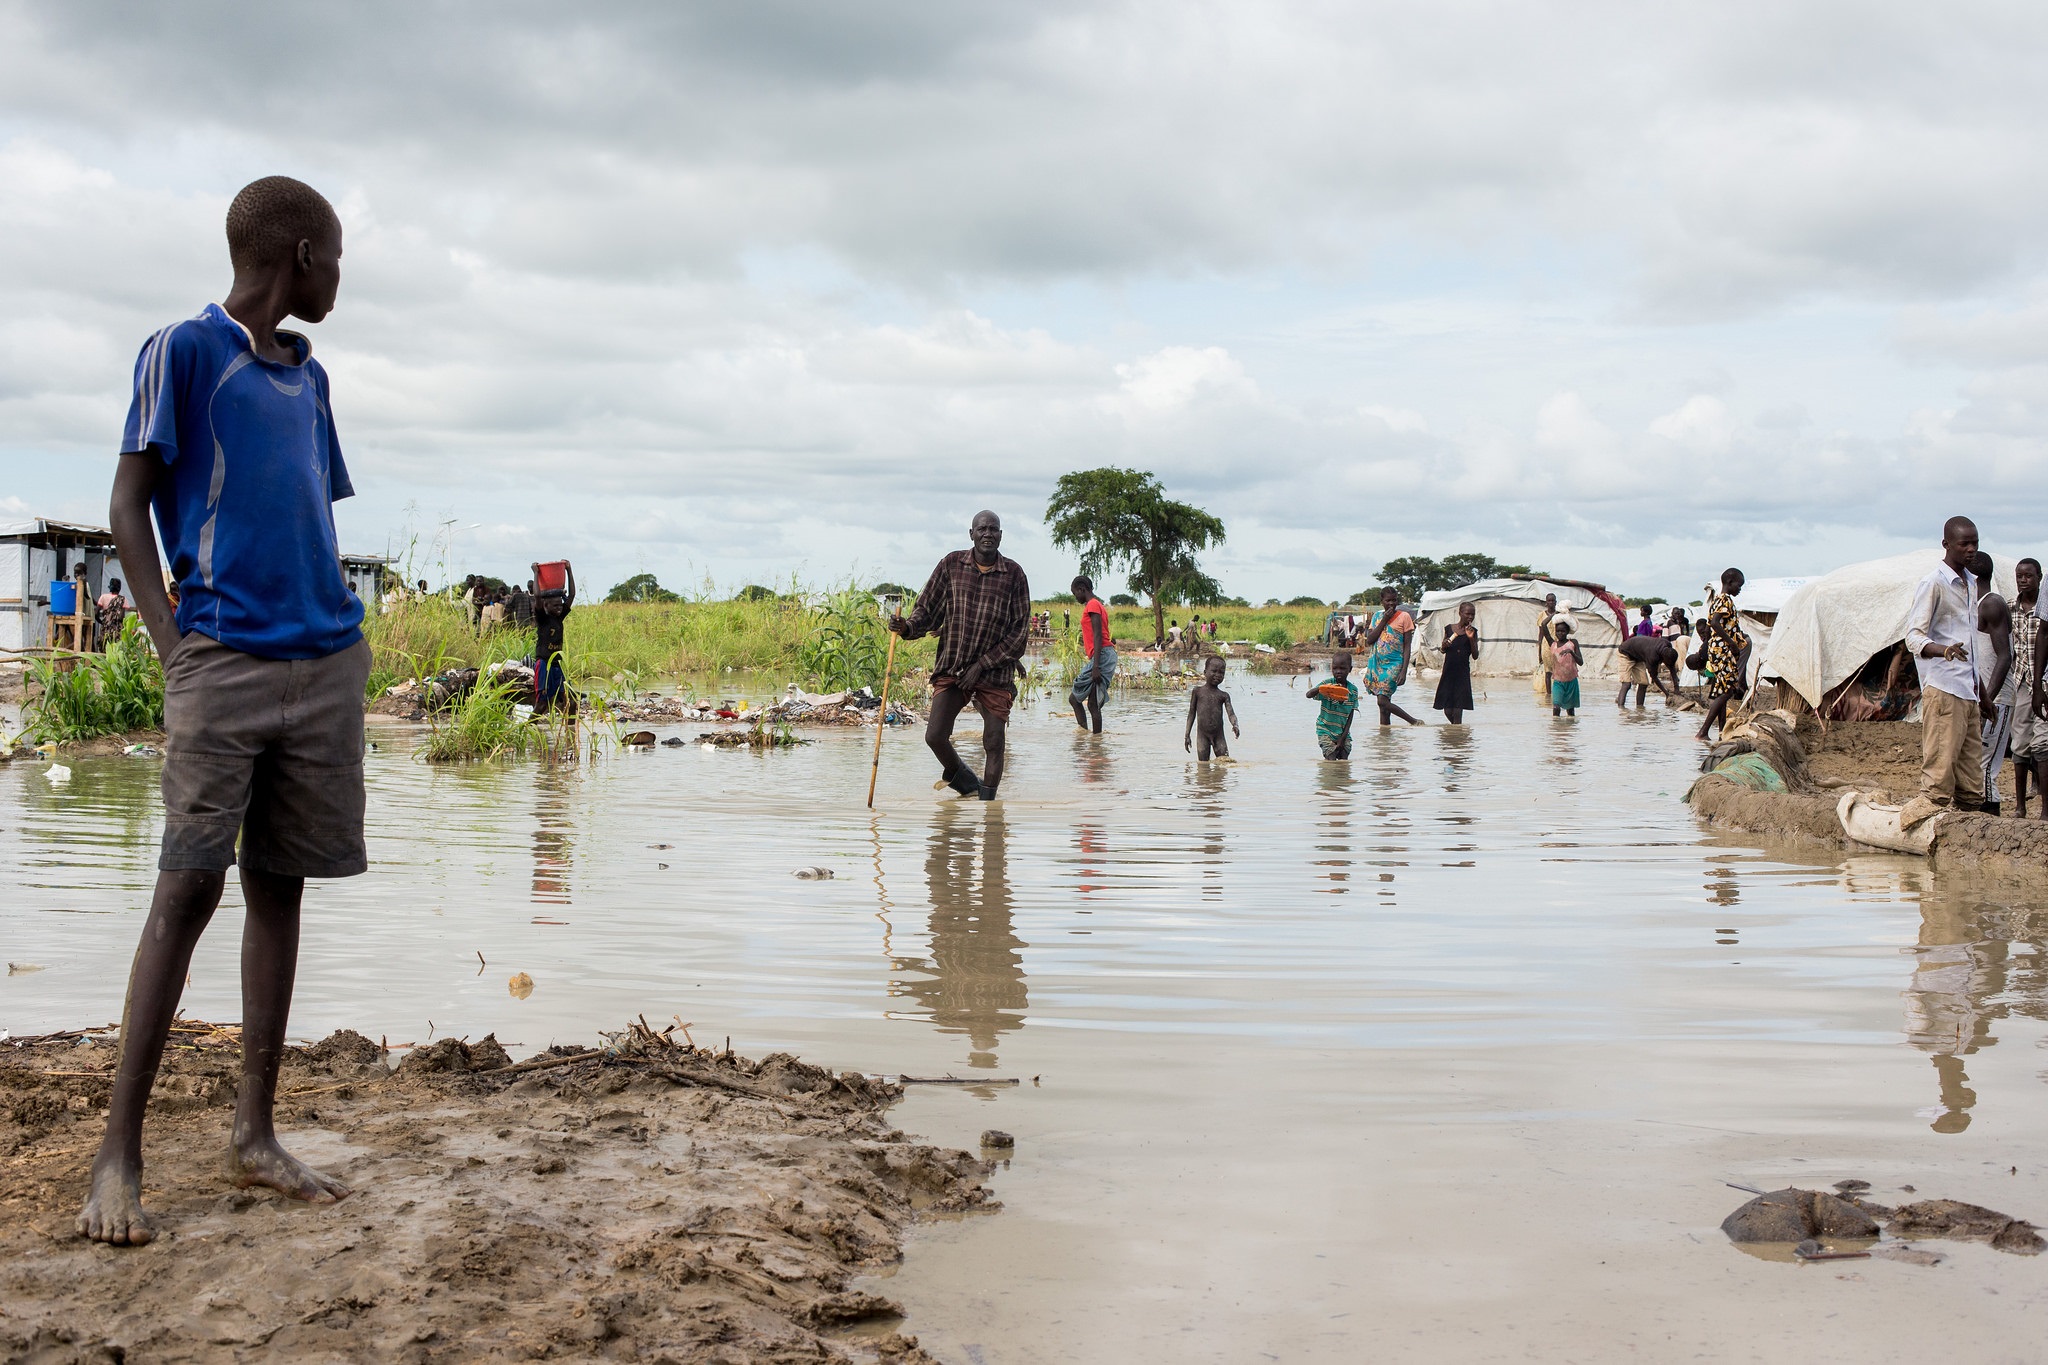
(1506, 611)
(1829, 629)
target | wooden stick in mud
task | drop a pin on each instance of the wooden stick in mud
(881, 719)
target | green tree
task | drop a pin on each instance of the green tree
(754, 592)
(1304, 601)
(641, 587)
(1195, 588)
(1122, 518)
(1414, 575)
(1122, 599)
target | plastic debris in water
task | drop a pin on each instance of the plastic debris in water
(814, 874)
(23, 968)
(58, 774)
(151, 751)
(521, 985)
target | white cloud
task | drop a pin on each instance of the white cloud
(738, 287)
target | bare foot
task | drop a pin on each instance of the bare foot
(113, 1211)
(269, 1165)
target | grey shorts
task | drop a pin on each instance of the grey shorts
(2029, 732)
(270, 750)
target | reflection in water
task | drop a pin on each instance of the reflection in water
(554, 841)
(1958, 975)
(1206, 799)
(1333, 823)
(975, 984)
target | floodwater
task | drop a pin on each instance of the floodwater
(1442, 1054)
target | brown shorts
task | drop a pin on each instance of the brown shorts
(267, 749)
(1633, 674)
(993, 702)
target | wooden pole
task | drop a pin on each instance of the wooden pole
(881, 719)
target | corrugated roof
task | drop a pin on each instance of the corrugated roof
(43, 526)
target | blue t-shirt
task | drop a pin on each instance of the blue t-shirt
(247, 514)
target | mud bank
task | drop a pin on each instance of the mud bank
(1880, 759)
(668, 1204)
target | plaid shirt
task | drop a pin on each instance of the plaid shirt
(982, 618)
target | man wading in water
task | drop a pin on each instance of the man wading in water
(980, 605)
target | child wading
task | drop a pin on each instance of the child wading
(230, 439)
(1565, 659)
(1339, 697)
(1208, 703)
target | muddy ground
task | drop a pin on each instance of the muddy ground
(1882, 760)
(659, 1203)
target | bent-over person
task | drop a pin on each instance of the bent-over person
(980, 605)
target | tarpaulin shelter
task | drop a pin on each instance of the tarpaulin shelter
(1828, 630)
(1507, 610)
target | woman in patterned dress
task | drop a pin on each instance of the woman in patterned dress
(1727, 651)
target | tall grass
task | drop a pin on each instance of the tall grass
(606, 640)
(826, 648)
(102, 694)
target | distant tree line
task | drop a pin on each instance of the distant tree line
(1413, 575)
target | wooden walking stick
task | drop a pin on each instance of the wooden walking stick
(881, 719)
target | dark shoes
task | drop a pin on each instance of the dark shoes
(963, 780)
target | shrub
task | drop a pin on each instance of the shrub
(103, 694)
(1277, 636)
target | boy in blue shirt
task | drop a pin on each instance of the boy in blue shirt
(231, 442)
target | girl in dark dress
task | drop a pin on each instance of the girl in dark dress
(1461, 647)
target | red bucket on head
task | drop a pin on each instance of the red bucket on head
(552, 576)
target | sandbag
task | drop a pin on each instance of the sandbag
(1881, 826)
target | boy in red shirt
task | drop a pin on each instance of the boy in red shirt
(1091, 684)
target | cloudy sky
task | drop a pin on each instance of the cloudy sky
(735, 291)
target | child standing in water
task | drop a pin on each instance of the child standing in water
(1565, 658)
(1339, 697)
(1208, 703)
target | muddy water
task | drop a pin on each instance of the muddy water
(1443, 1054)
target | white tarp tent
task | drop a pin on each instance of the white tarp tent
(1827, 630)
(1506, 611)
(1768, 595)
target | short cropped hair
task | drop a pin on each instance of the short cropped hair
(1953, 525)
(1084, 582)
(271, 216)
(1343, 654)
(1981, 565)
(2035, 562)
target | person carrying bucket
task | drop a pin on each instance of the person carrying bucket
(554, 594)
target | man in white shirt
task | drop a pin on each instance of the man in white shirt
(1941, 633)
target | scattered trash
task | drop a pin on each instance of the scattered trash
(661, 845)
(1811, 1250)
(145, 751)
(24, 968)
(543, 919)
(996, 1137)
(58, 774)
(638, 739)
(674, 742)
(521, 985)
(813, 874)
(1911, 1255)
(1852, 1186)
